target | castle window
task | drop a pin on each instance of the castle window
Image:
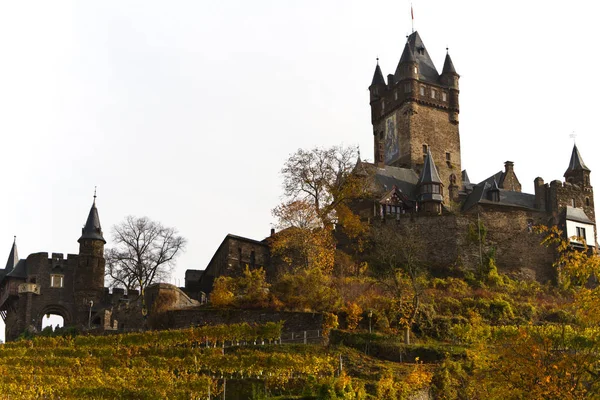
(396, 95)
(422, 90)
(425, 149)
(444, 96)
(581, 232)
(416, 70)
(382, 106)
(407, 88)
(56, 281)
(573, 203)
(587, 201)
(433, 93)
(448, 159)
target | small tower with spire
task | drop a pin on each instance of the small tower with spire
(430, 188)
(577, 173)
(89, 277)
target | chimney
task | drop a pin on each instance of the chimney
(509, 167)
(390, 80)
(272, 231)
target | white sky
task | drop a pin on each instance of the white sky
(185, 111)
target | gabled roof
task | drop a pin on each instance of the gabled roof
(577, 214)
(576, 163)
(92, 229)
(13, 257)
(396, 194)
(448, 66)
(378, 77)
(429, 173)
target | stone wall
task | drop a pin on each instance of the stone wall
(198, 316)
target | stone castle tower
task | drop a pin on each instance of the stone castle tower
(415, 113)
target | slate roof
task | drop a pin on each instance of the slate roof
(448, 66)
(508, 198)
(19, 271)
(465, 176)
(92, 229)
(429, 173)
(13, 257)
(576, 163)
(378, 76)
(407, 55)
(384, 179)
(577, 214)
(427, 71)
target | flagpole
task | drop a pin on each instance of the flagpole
(412, 18)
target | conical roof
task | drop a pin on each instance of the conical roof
(92, 229)
(13, 257)
(429, 173)
(576, 163)
(378, 77)
(448, 66)
(427, 70)
(407, 55)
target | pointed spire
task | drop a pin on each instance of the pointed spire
(92, 229)
(448, 65)
(429, 173)
(407, 55)
(13, 257)
(576, 163)
(378, 76)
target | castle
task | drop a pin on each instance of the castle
(416, 180)
(72, 287)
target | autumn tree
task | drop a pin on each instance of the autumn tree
(322, 177)
(144, 252)
(395, 259)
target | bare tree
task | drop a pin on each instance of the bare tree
(320, 176)
(144, 252)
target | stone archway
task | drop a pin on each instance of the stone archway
(55, 309)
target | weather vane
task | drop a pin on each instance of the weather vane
(95, 187)
(573, 136)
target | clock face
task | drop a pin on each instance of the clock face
(392, 149)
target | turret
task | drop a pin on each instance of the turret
(377, 86)
(407, 66)
(577, 173)
(430, 188)
(92, 241)
(89, 277)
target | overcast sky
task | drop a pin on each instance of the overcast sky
(185, 111)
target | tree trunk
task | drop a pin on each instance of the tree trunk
(407, 335)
